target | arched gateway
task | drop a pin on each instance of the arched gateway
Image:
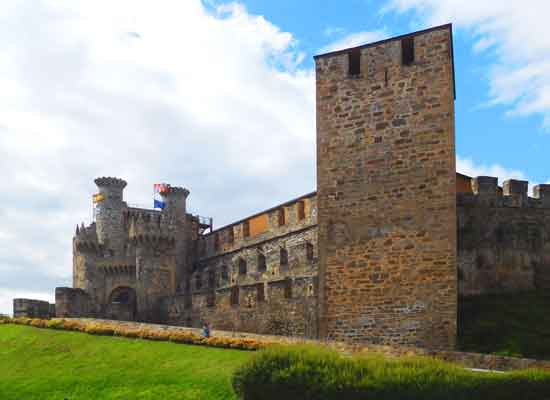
(122, 304)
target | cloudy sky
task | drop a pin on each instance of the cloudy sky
(219, 97)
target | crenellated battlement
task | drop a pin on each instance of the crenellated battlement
(151, 228)
(513, 193)
(86, 240)
(176, 190)
(108, 181)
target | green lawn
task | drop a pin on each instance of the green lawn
(49, 364)
(512, 325)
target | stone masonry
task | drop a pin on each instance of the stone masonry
(379, 254)
(386, 192)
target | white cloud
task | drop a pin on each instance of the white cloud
(354, 39)
(517, 34)
(210, 100)
(467, 166)
(333, 30)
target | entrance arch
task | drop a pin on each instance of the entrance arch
(122, 304)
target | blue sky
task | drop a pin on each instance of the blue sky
(219, 97)
(485, 133)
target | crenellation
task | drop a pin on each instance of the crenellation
(485, 186)
(542, 193)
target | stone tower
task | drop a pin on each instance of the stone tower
(386, 197)
(159, 240)
(175, 199)
(110, 214)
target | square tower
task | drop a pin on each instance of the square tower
(386, 191)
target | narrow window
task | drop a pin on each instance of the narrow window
(283, 255)
(246, 229)
(260, 294)
(225, 273)
(354, 62)
(216, 242)
(309, 251)
(242, 266)
(188, 285)
(281, 216)
(261, 263)
(231, 235)
(211, 300)
(301, 210)
(234, 295)
(211, 279)
(407, 50)
(288, 289)
(198, 282)
(188, 303)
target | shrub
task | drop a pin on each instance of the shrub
(38, 323)
(55, 324)
(101, 328)
(317, 373)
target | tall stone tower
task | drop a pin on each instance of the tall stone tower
(110, 214)
(386, 197)
(161, 254)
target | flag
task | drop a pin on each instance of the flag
(158, 204)
(96, 198)
(158, 189)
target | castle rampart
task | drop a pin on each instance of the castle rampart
(503, 238)
(33, 308)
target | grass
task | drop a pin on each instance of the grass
(51, 364)
(515, 325)
(313, 373)
(55, 364)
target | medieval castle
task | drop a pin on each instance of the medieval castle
(380, 253)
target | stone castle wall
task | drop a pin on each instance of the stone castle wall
(386, 191)
(33, 308)
(503, 238)
(257, 275)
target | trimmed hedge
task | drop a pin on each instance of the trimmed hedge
(304, 373)
(100, 328)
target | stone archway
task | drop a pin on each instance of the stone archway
(122, 304)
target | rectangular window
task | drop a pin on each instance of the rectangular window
(288, 289)
(230, 235)
(216, 242)
(242, 266)
(309, 251)
(246, 229)
(211, 300)
(283, 257)
(281, 215)
(354, 62)
(407, 50)
(260, 293)
(301, 210)
(234, 295)
(261, 263)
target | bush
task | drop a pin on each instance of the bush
(101, 328)
(317, 373)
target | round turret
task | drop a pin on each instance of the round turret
(175, 199)
(110, 213)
